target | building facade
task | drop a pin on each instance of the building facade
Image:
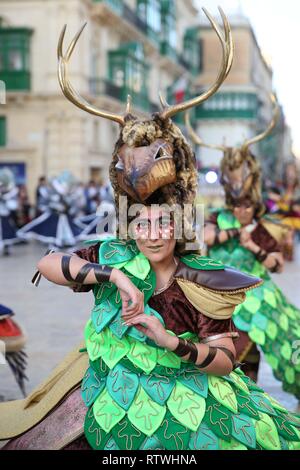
(242, 108)
(134, 47)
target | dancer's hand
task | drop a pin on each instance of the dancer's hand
(132, 297)
(152, 327)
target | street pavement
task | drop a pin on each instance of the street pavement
(54, 319)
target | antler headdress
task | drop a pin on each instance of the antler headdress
(240, 171)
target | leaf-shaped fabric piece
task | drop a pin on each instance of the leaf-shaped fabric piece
(195, 380)
(95, 435)
(284, 322)
(118, 349)
(266, 433)
(103, 291)
(272, 360)
(107, 412)
(232, 445)
(187, 407)
(218, 418)
(257, 336)
(271, 330)
(127, 436)
(168, 359)
(237, 381)
(172, 434)
(138, 266)
(223, 392)
(142, 355)
(204, 439)
(147, 285)
(226, 220)
(246, 404)
(97, 344)
(117, 326)
(103, 314)
(100, 367)
(260, 321)
(111, 445)
(286, 429)
(158, 387)
(243, 430)
(117, 251)
(270, 298)
(241, 323)
(91, 386)
(201, 262)
(122, 385)
(152, 443)
(286, 350)
(145, 414)
(251, 304)
(262, 403)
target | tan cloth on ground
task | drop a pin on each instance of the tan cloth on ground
(18, 416)
(216, 305)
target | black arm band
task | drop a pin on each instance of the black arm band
(186, 347)
(261, 256)
(212, 351)
(275, 268)
(101, 272)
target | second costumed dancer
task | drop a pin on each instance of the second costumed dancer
(158, 349)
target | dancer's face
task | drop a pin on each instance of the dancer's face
(154, 231)
(244, 212)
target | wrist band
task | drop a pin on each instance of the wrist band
(275, 267)
(261, 256)
(186, 347)
(101, 272)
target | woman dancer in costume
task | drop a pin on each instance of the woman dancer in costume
(13, 339)
(239, 236)
(159, 344)
(8, 209)
(56, 225)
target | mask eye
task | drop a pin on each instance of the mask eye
(119, 164)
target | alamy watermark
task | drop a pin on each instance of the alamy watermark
(186, 222)
(2, 353)
(2, 92)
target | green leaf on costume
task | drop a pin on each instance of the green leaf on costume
(238, 382)
(251, 304)
(138, 266)
(187, 407)
(96, 437)
(152, 443)
(103, 314)
(286, 350)
(172, 434)
(117, 350)
(122, 385)
(284, 322)
(270, 298)
(218, 418)
(246, 405)
(204, 439)
(145, 414)
(100, 367)
(142, 355)
(243, 430)
(260, 321)
(232, 445)
(262, 403)
(107, 412)
(127, 436)
(266, 433)
(168, 359)
(289, 375)
(201, 262)
(285, 429)
(158, 387)
(117, 251)
(271, 330)
(223, 392)
(97, 344)
(272, 360)
(195, 380)
(257, 335)
(91, 386)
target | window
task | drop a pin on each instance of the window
(192, 49)
(15, 58)
(150, 12)
(168, 22)
(2, 131)
(128, 71)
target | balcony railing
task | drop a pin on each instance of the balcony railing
(229, 105)
(16, 80)
(101, 86)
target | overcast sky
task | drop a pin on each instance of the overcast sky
(277, 27)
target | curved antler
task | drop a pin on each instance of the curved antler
(68, 90)
(263, 135)
(196, 139)
(227, 58)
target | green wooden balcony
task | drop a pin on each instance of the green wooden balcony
(229, 105)
(16, 80)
